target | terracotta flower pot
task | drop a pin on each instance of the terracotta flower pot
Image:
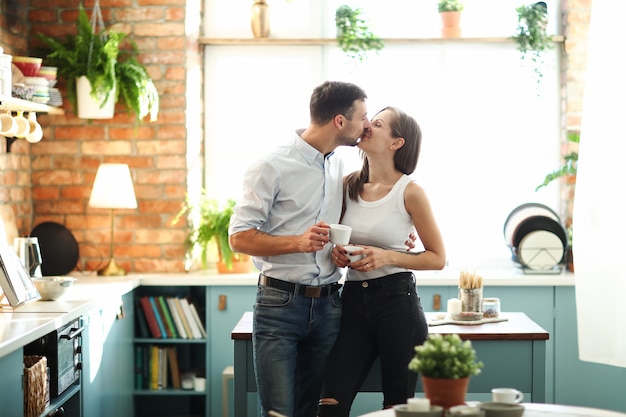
(445, 392)
(451, 22)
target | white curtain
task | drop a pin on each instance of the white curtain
(599, 224)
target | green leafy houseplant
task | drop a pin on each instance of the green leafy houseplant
(208, 220)
(445, 357)
(109, 68)
(354, 35)
(450, 6)
(570, 163)
(531, 34)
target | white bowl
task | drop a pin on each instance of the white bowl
(401, 410)
(53, 288)
(502, 410)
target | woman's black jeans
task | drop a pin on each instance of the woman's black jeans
(383, 318)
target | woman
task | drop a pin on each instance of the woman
(381, 313)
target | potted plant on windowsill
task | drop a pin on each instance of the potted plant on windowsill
(208, 222)
(354, 35)
(450, 12)
(110, 70)
(445, 363)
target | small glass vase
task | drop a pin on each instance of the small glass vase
(471, 299)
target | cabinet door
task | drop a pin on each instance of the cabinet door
(108, 361)
(238, 299)
(538, 304)
(11, 369)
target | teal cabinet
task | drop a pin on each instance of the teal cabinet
(191, 356)
(11, 369)
(577, 382)
(107, 384)
(225, 306)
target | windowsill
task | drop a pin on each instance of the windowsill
(327, 41)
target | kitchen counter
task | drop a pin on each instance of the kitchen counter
(26, 323)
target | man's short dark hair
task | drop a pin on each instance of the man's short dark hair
(332, 98)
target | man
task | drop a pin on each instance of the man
(290, 198)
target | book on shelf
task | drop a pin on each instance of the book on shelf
(196, 317)
(154, 367)
(142, 322)
(183, 317)
(163, 360)
(174, 368)
(150, 318)
(157, 315)
(171, 303)
(169, 323)
(139, 363)
(161, 313)
(195, 330)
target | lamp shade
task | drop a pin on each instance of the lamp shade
(113, 188)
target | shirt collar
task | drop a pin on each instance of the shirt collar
(311, 154)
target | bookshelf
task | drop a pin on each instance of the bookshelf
(170, 351)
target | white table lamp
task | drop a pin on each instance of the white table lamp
(113, 189)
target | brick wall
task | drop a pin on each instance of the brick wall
(51, 180)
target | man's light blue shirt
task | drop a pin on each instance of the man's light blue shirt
(284, 194)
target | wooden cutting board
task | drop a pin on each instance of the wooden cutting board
(8, 225)
(447, 320)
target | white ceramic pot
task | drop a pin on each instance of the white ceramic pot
(90, 107)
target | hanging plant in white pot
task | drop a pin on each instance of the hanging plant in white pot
(93, 59)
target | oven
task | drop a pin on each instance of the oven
(62, 349)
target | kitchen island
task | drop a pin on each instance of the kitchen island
(513, 351)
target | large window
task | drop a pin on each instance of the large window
(490, 131)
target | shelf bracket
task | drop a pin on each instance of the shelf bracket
(10, 141)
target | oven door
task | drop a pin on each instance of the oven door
(62, 348)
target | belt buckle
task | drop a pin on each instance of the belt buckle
(312, 292)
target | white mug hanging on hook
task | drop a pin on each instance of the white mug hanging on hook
(36, 132)
(8, 125)
(23, 126)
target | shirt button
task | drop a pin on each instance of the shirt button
(365, 284)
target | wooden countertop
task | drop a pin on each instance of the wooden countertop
(517, 327)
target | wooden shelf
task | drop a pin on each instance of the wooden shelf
(329, 41)
(16, 104)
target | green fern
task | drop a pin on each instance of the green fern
(570, 164)
(99, 57)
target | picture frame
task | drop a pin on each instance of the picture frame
(15, 282)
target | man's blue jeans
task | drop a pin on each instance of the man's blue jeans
(292, 336)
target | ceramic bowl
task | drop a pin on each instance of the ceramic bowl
(502, 409)
(402, 411)
(53, 288)
(28, 65)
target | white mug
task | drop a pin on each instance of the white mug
(36, 132)
(340, 234)
(23, 127)
(506, 395)
(350, 249)
(8, 126)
